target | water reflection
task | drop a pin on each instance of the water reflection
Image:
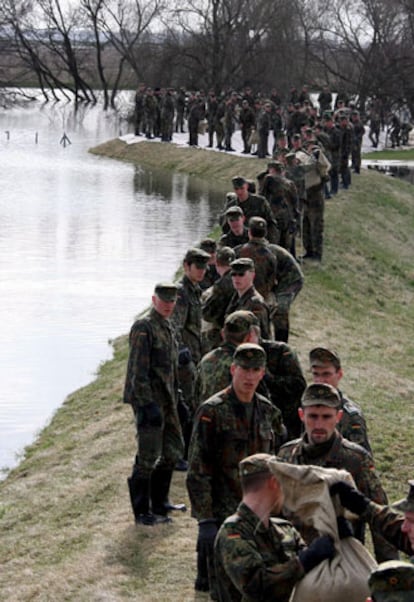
(83, 239)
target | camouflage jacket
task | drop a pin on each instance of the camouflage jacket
(353, 425)
(222, 436)
(341, 453)
(215, 300)
(388, 522)
(231, 240)
(285, 382)
(252, 301)
(254, 562)
(186, 318)
(152, 363)
(213, 373)
(289, 277)
(254, 205)
(265, 264)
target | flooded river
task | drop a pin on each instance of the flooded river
(83, 240)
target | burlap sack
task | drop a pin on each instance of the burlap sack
(345, 577)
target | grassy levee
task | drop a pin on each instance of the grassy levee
(66, 527)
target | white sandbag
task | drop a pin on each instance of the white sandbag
(345, 577)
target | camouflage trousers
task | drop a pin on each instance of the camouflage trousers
(313, 213)
(159, 446)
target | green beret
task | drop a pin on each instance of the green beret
(392, 581)
(242, 265)
(197, 256)
(166, 291)
(318, 356)
(249, 355)
(321, 395)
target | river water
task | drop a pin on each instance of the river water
(83, 240)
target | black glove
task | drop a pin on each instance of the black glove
(184, 356)
(320, 549)
(149, 415)
(344, 527)
(207, 531)
(350, 497)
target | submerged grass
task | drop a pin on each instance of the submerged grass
(66, 526)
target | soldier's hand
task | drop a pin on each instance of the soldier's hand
(351, 498)
(344, 528)
(184, 356)
(320, 549)
(149, 415)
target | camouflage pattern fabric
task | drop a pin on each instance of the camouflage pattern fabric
(222, 436)
(186, 318)
(265, 264)
(341, 453)
(388, 522)
(254, 205)
(151, 383)
(313, 221)
(254, 562)
(252, 301)
(213, 373)
(353, 425)
(214, 302)
(231, 240)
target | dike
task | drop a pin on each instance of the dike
(66, 525)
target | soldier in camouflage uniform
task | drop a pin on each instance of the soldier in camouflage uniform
(359, 131)
(186, 320)
(209, 245)
(323, 445)
(229, 426)
(347, 137)
(215, 300)
(151, 388)
(395, 523)
(238, 233)
(246, 296)
(259, 556)
(150, 112)
(325, 366)
(252, 205)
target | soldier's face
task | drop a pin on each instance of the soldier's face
(242, 282)
(242, 192)
(245, 381)
(236, 226)
(194, 273)
(164, 308)
(408, 527)
(319, 422)
(327, 374)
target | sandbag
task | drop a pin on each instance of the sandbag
(345, 577)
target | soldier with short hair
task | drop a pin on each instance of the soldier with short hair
(229, 426)
(322, 445)
(151, 387)
(259, 556)
(238, 233)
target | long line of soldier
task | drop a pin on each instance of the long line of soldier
(212, 380)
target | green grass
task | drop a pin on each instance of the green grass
(66, 526)
(396, 154)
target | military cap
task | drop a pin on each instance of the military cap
(197, 256)
(296, 137)
(258, 223)
(234, 212)
(209, 245)
(290, 156)
(225, 255)
(242, 265)
(327, 115)
(250, 355)
(355, 112)
(238, 181)
(280, 134)
(321, 395)
(318, 356)
(275, 165)
(406, 504)
(255, 464)
(166, 291)
(392, 581)
(240, 321)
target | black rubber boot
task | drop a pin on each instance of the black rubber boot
(139, 492)
(160, 487)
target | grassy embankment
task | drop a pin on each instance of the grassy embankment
(66, 526)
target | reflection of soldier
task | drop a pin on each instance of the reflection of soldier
(322, 445)
(151, 388)
(236, 414)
